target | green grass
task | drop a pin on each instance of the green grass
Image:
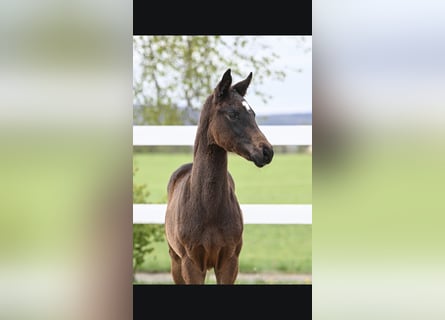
(283, 248)
(287, 180)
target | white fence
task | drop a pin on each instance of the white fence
(252, 213)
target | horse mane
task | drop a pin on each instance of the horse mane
(203, 123)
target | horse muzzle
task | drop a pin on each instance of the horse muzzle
(263, 156)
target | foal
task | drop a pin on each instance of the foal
(203, 221)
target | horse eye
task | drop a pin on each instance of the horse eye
(233, 115)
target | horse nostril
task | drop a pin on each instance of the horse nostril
(267, 153)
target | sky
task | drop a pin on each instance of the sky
(294, 94)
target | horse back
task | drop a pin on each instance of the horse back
(178, 174)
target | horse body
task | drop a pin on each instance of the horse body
(203, 221)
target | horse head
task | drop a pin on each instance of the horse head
(233, 126)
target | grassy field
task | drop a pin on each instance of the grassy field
(287, 180)
(267, 248)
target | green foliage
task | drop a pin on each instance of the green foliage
(177, 73)
(140, 194)
(144, 235)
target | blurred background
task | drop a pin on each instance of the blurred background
(378, 101)
(65, 160)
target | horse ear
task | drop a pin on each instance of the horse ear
(241, 87)
(224, 85)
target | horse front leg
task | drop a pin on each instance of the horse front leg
(175, 266)
(194, 266)
(226, 269)
(227, 273)
(191, 273)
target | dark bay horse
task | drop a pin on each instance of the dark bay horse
(203, 221)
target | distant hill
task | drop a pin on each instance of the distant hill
(285, 119)
(270, 119)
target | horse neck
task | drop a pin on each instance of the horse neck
(209, 177)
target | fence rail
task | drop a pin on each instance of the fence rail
(252, 213)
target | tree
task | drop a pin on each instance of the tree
(174, 74)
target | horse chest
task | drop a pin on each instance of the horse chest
(212, 223)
